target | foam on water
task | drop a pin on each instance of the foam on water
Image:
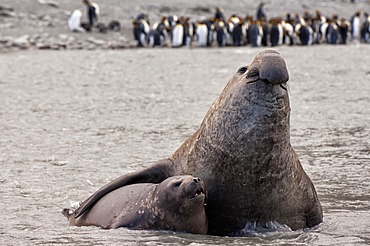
(257, 229)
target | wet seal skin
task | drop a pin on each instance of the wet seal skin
(242, 152)
(176, 204)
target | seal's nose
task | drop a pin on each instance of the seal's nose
(196, 180)
(272, 67)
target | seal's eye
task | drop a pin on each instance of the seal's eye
(242, 70)
(177, 184)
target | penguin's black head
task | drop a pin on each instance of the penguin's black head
(87, 2)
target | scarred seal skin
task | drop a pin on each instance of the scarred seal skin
(242, 152)
(176, 204)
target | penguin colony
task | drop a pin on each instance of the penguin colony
(173, 31)
(260, 31)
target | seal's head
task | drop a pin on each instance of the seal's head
(183, 200)
(251, 112)
(187, 192)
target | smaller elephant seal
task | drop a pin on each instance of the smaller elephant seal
(176, 204)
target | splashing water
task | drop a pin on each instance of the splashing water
(256, 229)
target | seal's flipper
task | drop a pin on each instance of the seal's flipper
(153, 174)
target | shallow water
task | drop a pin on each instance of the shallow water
(72, 121)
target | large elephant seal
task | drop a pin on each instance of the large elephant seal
(176, 204)
(242, 151)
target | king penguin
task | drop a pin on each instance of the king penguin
(304, 32)
(141, 29)
(344, 28)
(255, 34)
(221, 31)
(332, 32)
(276, 32)
(74, 21)
(261, 12)
(201, 34)
(365, 29)
(177, 36)
(92, 12)
(355, 23)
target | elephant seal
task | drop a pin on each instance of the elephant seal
(242, 152)
(175, 204)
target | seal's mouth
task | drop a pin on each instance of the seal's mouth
(199, 192)
(255, 79)
(284, 86)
